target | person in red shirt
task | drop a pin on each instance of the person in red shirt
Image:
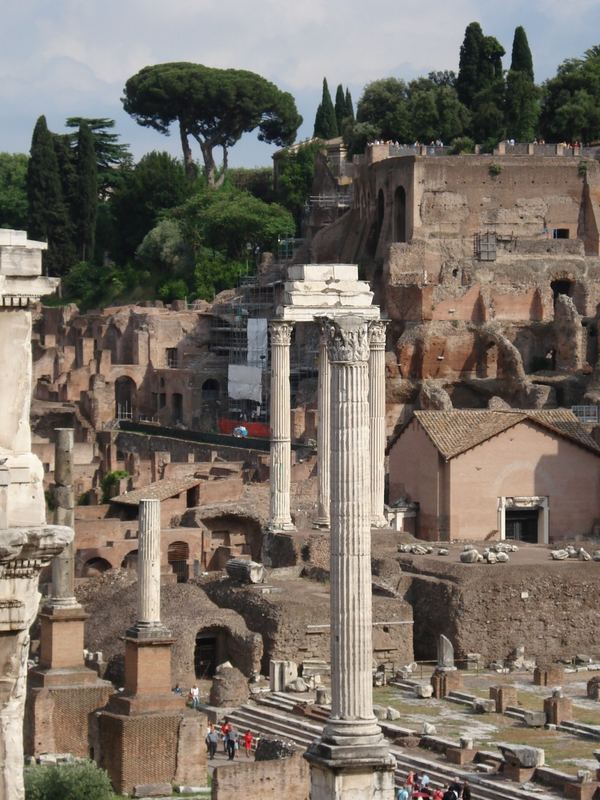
(248, 743)
(224, 731)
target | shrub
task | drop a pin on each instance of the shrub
(67, 782)
(109, 480)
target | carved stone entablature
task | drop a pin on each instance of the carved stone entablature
(281, 333)
(22, 548)
(347, 339)
(525, 502)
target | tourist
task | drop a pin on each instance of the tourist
(224, 731)
(177, 689)
(212, 738)
(466, 791)
(425, 784)
(248, 743)
(402, 793)
(438, 794)
(232, 742)
(410, 781)
(195, 695)
(450, 794)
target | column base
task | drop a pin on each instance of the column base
(355, 774)
(322, 524)
(281, 527)
(379, 521)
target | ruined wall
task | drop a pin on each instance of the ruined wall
(270, 780)
(551, 609)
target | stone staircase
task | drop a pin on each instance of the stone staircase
(273, 716)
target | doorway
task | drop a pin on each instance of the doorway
(522, 524)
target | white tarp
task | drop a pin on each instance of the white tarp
(244, 383)
(257, 342)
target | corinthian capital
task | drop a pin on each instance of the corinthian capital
(281, 332)
(377, 333)
(347, 339)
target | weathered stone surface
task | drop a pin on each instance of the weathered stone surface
(297, 685)
(423, 690)
(270, 748)
(445, 653)
(534, 719)
(469, 556)
(483, 706)
(392, 713)
(526, 757)
(245, 571)
(229, 688)
(152, 790)
(559, 555)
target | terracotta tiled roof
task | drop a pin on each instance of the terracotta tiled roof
(455, 432)
(159, 490)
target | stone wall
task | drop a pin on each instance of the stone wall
(551, 609)
(269, 780)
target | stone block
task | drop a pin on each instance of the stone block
(424, 690)
(446, 681)
(522, 755)
(534, 719)
(483, 706)
(593, 688)
(558, 709)
(151, 790)
(460, 756)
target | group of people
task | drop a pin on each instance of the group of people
(418, 786)
(230, 738)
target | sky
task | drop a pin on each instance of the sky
(72, 57)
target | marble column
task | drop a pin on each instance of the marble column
(281, 450)
(63, 566)
(323, 436)
(351, 759)
(148, 566)
(377, 421)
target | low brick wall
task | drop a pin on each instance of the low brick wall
(270, 780)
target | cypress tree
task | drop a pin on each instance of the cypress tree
(471, 51)
(349, 105)
(87, 184)
(48, 218)
(522, 105)
(521, 60)
(340, 107)
(65, 158)
(325, 121)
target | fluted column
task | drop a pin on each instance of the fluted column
(281, 450)
(323, 436)
(148, 567)
(63, 565)
(377, 421)
(352, 720)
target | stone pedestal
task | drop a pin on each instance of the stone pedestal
(351, 758)
(548, 675)
(558, 709)
(377, 438)
(281, 448)
(445, 681)
(503, 696)
(323, 437)
(146, 735)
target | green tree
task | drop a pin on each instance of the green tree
(213, 106)
(521, 59)
(13, 190)
(384, 105)
(468, 81)
(67, 782)
(571, 100)
(48, 217)
(87, 194)
(326, 126)
(522, 106)
(295, 174)
(113, 157)
(349, 106)
(340, 107)
(157, 183)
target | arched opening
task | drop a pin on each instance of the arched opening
(178, 555)
(488, 366)
(125, 397)
(177, 408)
(562, 286)
(95, 566)
(400, 215)
(130, 560)
(213, 647)
(210, 390)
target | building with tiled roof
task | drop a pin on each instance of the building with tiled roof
(482, 473)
